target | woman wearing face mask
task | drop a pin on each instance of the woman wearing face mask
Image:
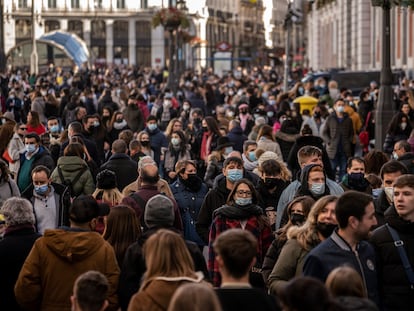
(16, 147)
(144, 139)
(118, 124)
(177, 150)
(298, 211)
(399, 129)
(189, 192)
(216, 160)
(241, 211)
(318, 226)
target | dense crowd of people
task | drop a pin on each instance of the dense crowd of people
(227, 193)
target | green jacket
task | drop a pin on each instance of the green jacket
(70, 167)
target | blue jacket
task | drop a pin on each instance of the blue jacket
(335, 252)
(157, 141)
(189, 204)
(237, 137)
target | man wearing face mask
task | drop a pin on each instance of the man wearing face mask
(249, 155)
(50, 200)
(316, 121)
(402, 153)
(338, 135)
(216, 197)
(354, 179)
(389, 173)
(313, 182)
(157, 138)
(34, 155)
(270, 185)
(166, 112)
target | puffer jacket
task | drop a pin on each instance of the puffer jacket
(46, 279)
(71, 166)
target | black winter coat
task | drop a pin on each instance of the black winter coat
(394, 288)
(237, 138)
(124, 168)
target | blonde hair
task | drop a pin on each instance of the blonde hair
(307, 235)
(195, 297)
(111, 196)
(166, 254)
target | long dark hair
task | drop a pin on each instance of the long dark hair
(394, 127)
(183, 143)
(212, 125)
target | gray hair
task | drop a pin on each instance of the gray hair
(145, 160)
(18, 211)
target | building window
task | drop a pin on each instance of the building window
(144, 4)
(51, 4)
(120, 4)
(98, 29)
(23, 30)
(23, 4)
(75, 4)
(120, 55)
(98, 4)
(121, 33)
(52, 25)
(99, 53)
(143, 43)
(76, 27)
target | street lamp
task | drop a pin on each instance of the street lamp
(385, 104)
(34, 59)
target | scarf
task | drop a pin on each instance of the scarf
(165, 116)
(238, 212)
(249, 165)
(243, 120)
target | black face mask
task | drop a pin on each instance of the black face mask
(297, 219)
(271, 183)
(205, 128)
(325, 229)
(145, 143)
(243, 112)
(193, 182)
(357, 181)
(197, 121)
(317, 114)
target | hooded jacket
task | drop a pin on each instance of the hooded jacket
(46, 279)
(71, 166)
(304, 188)
(394, 287)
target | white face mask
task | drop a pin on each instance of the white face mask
(403, 125)
(389, 192)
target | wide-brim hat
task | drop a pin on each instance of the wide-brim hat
(223, 142)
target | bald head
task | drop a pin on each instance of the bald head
(235, 153)
(149, 174)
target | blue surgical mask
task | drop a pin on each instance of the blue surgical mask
(30, 148)
(234, 175)
(270, 114)
(42, 189)
(243, 201)
(252, 156)
(317, 188)
(54, 129)
(376, 192)
(175, 141)
(228, 150)
(96, 123)
(340, 109)
(152, 126)
(272, 102)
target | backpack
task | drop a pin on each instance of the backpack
(69, 183)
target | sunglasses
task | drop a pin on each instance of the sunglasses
(23, 128)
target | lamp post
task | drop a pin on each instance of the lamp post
(385, 104)
(2, 52)
(34, 59)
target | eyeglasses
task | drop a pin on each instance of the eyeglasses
(242, 192)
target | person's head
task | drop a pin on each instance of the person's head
(355, 165)
(194, 297)
(119, 147)
(31, 142)
(355, 212)
(149, 174)
(33, 118)
(306, 294)
(185, 168)
(166, 254)
(298, 210)
(20, 129)
(404, 197)
(400, 148)
(152, 123)
(233, 169)
(339, 106)
(249, 148)
(88, 122)
(390, 171)
(53, 125)
(74, 128)
(178, 140)
(243, 193)
(41, 180)
(210, 125)
(322, 217)
(159, 212)
(271, 171)
(106, 180)
(374, 160)
(265, 131)
(90, 292)
(144, 139)
(345, 281)
(122, 229)
(74, 149)
(316, 179)
(80, 112)
(17, 211)
(84, 211)
(174, 125)
(126, 135)
(235, 252)
(309, 155)
(405, 108)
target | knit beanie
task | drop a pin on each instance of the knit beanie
(268, 155)
(159, 212)
(106, 180)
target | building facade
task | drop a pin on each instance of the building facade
(348, 34)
